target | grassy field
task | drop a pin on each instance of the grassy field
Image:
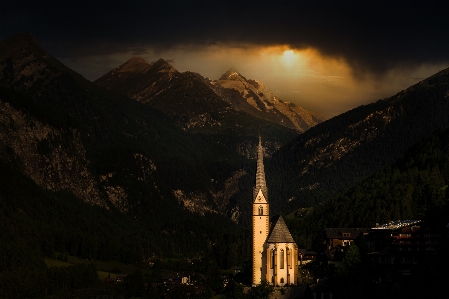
(56, 263)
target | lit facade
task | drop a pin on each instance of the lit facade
(275, 253)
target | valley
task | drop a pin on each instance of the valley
(148, 164)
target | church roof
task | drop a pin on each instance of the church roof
(279, 232)
(260, 174)
(261, 184)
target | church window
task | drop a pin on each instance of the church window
(281, 259)
(260, 210)
(282, 280)
(272, 259)
(289, 258)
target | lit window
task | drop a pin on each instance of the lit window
(281, 259)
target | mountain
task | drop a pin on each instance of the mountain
(256, 99)
(179, 95)
(415, 186)
(80, 147)
(193, 106)
(340, 152)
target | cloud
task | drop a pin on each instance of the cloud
(372, 36)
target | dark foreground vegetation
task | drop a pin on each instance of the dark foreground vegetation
(39, 224)
(414, 187)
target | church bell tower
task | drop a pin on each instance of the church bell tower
(260, 220)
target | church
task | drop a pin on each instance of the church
(275, 253)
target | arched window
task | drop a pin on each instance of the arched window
(272, 258)
(281, 259)
(289, 258)
(260, 210)
(282, 280)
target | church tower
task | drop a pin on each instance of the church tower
(260, 220)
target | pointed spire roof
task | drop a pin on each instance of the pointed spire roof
(260, 174)
(261, 184)
(279, 232)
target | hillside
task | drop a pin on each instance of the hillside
(414, 187)
(342, 151)
(69, 136)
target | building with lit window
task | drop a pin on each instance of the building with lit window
(275, 253)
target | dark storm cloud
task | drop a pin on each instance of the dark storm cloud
(372, 36)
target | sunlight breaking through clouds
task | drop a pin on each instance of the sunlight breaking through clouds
(322, 84)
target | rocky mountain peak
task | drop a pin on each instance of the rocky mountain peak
(135, 64)
(21, 44)
(163, 66)
(22, 59)
(253, 97)
(231, 74)
(25, 36)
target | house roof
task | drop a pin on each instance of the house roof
(279, 232)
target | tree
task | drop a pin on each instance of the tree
(134, 284)
(234, 290)
(262, 291)
(351, 262)
(308, 292)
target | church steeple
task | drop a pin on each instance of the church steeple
(260, 174)
(261, 184)
(260, 220)
(275, 253)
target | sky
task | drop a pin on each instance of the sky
(326, 56)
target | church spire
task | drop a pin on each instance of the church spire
(260, 173)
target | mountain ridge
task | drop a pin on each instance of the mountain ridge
(135, 154)
(253, 97)
(339, 152)
(189, 101)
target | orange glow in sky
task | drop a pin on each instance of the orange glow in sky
(289, 57)
(321, 84)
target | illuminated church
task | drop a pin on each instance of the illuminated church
(275, 253)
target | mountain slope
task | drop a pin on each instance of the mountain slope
(254, 98)
(414, 187)
(193, 106)
(70, 136)
(50, 154)
(336, 154)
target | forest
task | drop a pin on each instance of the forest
(414, 187)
